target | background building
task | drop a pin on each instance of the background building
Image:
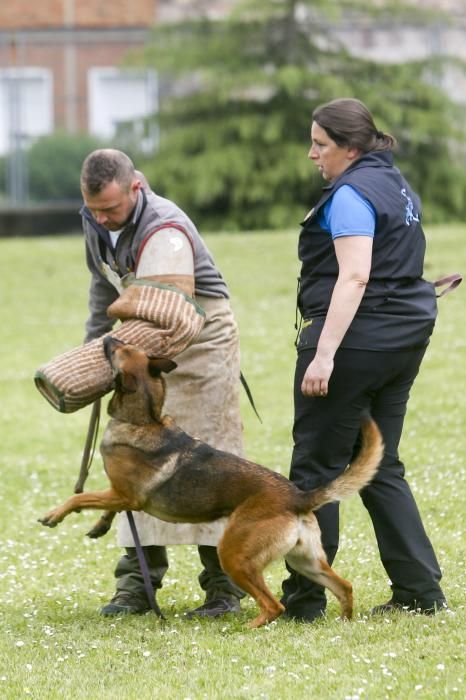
(61, 67)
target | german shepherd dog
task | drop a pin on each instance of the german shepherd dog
(154, 466)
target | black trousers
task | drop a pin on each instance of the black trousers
(326, 436)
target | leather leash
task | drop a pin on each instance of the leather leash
(150, 592)
(249, 394)
(451, 280)
(89, 446)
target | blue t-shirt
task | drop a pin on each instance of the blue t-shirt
(347, 213)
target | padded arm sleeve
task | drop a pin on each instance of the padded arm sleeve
(156, 318)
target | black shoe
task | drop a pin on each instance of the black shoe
(215, 607)
(124, 603)
(422, 607)
(309, 616)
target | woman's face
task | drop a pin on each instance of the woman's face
(330, 158)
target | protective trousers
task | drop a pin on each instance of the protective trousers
(327, 436)
(212, 578)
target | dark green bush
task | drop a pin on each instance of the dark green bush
(54, 164)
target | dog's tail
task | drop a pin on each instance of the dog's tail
(358, 474)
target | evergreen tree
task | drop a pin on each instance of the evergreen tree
(234, 138)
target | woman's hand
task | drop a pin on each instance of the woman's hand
(316, 377)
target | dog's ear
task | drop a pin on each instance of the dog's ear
(160, 364)
(126, 383)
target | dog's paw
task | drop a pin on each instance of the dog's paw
(48, 520)
(102, 526)
(99, 530)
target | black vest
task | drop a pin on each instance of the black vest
(398, 309)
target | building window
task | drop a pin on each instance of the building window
(121, 100)
(26, 107)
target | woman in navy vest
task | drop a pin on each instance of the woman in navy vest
(367, 315)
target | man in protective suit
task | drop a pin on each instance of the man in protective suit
(138, 243)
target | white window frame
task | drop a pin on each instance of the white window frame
(100, 121)
(17, 129)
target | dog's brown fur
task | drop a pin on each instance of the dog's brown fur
(154, 466)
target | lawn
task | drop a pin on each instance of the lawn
(54, 644)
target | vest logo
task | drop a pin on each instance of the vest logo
(410, 214)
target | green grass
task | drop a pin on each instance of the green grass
(54, 644)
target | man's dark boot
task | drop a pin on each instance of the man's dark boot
(130, 597)
(217, 603)
(124, 603)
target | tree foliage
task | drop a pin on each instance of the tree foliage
(234, 139)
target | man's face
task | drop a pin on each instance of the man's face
(112, 206)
